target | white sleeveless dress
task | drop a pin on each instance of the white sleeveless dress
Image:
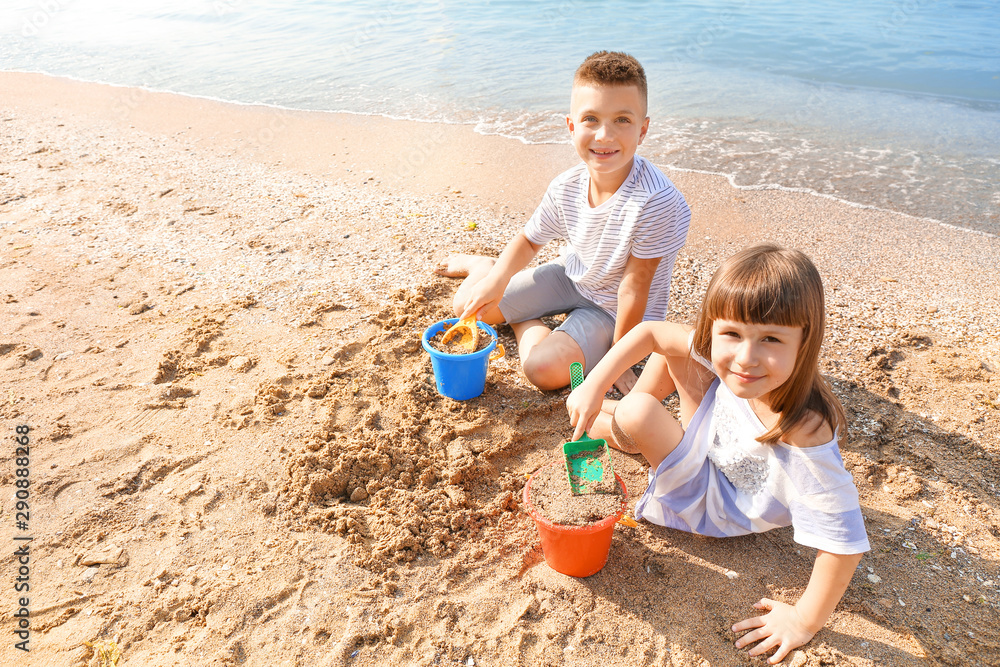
(720, 482)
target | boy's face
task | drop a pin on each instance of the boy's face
(607, 124)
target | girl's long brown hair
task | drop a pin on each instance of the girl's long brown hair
(767, 284)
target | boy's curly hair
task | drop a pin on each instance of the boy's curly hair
(612, 68)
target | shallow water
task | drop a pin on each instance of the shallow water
(895, 105)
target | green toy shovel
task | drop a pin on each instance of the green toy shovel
(588, 463)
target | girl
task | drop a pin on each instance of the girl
(756, 447)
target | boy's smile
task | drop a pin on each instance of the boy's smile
(607, 124)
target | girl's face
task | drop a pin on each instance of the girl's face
(754, 359)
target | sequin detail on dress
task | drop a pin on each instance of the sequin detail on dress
(746, 471)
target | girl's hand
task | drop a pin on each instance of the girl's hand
(583, 406)
(781, 628)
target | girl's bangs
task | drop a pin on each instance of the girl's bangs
(758, 301)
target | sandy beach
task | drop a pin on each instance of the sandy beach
(211, 320)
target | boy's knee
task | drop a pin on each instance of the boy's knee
(547, 362)
(544, 373)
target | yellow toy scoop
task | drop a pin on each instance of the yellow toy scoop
(467, 329)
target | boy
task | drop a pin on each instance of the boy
(623, 222)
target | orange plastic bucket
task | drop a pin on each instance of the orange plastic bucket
(578, 551)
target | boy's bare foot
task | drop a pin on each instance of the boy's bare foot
(460, 266)
(625, 383)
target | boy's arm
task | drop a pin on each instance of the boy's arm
(584, 403)
(786, 627)
(487, 292)
(633, 293)
(633, 296)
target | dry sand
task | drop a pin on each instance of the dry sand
(211, 321)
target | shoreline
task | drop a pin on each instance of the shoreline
(505, 179)
(211, 324)
(281, 111)
(813, 193)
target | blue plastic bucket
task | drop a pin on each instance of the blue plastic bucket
(459, 376)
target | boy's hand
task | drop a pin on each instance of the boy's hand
(485, 297)
(781, 628)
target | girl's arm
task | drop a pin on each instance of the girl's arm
(786, 627)
(584, 403)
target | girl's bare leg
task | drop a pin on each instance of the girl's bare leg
(626, 382)
(655, 380)
(641, 422)
(602, 428)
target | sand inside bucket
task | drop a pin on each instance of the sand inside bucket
(454, 347)
(552, 498)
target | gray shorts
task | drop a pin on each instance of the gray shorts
(546, 290)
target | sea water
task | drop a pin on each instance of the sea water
(889, 104)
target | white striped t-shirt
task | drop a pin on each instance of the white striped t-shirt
(647, 217)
